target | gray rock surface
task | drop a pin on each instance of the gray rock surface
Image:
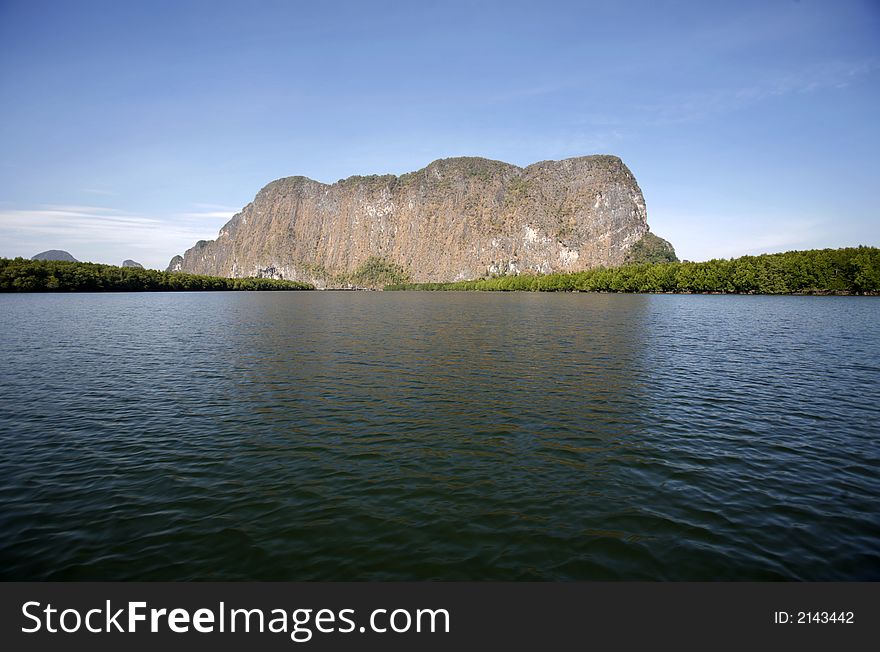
(131, 263)
(54, 254)
(458, 218)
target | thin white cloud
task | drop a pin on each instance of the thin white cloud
(687, 107)
(99, 234)
(77, 208)
(702, 237)
(207, 211)
(216, 207)
(209, 215)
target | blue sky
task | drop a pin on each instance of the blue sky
(130, 130)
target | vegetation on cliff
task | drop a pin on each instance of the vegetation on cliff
(21, 275)
(375, 272)
(855, 270)
(651, 249)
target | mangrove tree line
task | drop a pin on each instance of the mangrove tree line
(854, 270)
(23, 275)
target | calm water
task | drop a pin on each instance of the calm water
(439, 436)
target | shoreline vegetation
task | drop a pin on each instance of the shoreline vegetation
(23, 275)
(852, 270)
(847, 271)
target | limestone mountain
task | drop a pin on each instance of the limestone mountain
(54, 254)
(458, 218)
(131, 263)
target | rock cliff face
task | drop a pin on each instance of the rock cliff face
(459, 218)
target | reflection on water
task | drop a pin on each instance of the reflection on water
(438, 436)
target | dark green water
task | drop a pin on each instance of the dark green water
(439, 436)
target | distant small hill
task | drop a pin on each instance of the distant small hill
(54, 254)
(131, 263)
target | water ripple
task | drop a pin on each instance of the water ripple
(439, 436)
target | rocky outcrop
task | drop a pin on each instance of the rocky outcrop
(651, 249)
(458, 218)
(131, 263)
(54, 254)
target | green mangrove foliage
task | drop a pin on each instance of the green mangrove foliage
(374, 272)
(651, 249)
(855, 270)
(22, 275)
